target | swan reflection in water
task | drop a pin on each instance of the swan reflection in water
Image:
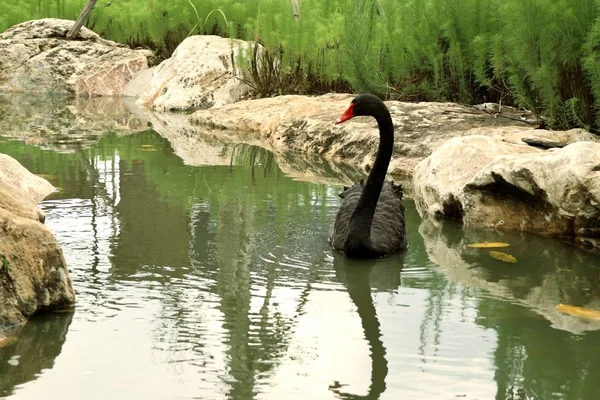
(358, 276)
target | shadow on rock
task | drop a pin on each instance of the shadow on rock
(35, 349)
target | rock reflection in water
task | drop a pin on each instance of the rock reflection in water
(547, 272)
(59, 122)
(67, 124)
(36, 348)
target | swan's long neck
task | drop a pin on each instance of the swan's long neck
(359, 229)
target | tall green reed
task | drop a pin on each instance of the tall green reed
(539, 54)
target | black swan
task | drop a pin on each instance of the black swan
(370, 222)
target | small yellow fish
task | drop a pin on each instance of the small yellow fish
(146, 145)
(498, 255)
(580, 312)
(487, 245)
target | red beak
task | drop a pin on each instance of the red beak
(346, 115)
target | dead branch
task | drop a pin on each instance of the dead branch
(72, 34)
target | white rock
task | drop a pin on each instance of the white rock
(139, 84)
(200, 74)
(486, 182)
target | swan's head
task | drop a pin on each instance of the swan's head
(365, 104)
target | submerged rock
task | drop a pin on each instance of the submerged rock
(200, 74)
(487, 182)
(35, 57)
(33, 272)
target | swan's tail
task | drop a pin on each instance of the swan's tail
(397, 189)
(357, 187)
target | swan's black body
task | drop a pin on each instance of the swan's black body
(370, 222)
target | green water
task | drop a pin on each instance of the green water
(217, 282)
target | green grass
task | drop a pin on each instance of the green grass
(4, 265)
(538, 54)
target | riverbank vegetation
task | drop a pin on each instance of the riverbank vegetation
(543, 55)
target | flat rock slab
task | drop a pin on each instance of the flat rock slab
(199, 146)
(306, 124)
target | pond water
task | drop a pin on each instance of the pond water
(217, 282)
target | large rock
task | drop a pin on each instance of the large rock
(33, 273)
(21, 190)
(488, 182)
(35, 57)
(137, 86)
(199, 74)
(306, 124)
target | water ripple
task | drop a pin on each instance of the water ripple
(219, 282)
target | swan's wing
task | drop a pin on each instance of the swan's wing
(339, 229)
(388, 231)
